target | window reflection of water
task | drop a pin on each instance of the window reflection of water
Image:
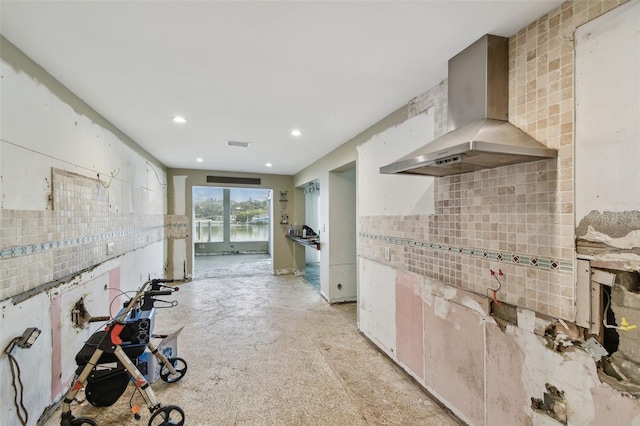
(214, 232)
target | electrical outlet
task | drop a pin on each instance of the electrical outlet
(110, 248)
(387, 253)
(28, 337)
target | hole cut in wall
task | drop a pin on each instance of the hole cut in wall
(611, 338)
(504, 314)
(79, 314)
(620, 316)
(553, 404)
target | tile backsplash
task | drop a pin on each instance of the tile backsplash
(516, 218)
(39, 247)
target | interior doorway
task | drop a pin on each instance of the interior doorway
(341, 267)
(231, 222)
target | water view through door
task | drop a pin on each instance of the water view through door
(230, 221)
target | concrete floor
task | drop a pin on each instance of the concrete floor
(267, 350)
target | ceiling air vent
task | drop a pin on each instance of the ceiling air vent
(236, 180)
(239, 144)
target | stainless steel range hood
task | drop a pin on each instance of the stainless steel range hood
(479, 136)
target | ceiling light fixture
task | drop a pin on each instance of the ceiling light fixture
(296, 132)
(269, 165)
(179, 119)
(199, 160)
(239, 144)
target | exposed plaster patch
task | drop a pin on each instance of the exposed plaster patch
(527, 320)
(427, 297)
(441, 307)
(629, 241)
(612, 224)
(432, 288)
(449, 293)
(572, 371)
(438, 295)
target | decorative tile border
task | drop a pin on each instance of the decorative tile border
(504, 257)
(10, 252)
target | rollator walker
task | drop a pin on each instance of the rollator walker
(107, 361)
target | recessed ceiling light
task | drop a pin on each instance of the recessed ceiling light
(238, 143)
(268, 164)
(179, 119)
(296, 132)
(199, 160)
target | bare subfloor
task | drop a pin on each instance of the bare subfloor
(266, 350)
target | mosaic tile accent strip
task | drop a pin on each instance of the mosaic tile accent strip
(518, 259)
(9, 252)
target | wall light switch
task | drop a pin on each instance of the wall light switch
(110, 248)
(387, 253)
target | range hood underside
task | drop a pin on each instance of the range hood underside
(468, 150)
(471, 161)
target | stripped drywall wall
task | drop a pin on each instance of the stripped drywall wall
(519, 219)
(607, 97)
(72, 184)
(378, 194)
(608, 178)
(376, 315)
(608, 137)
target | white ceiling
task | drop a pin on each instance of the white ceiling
(251, 71)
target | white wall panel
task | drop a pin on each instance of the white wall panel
(378, 194)
(376, 304)
(608, 112)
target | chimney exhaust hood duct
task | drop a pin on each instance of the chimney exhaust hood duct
(479, 137)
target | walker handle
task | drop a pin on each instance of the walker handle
(159, 292)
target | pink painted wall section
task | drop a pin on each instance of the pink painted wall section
(57, 386)
(409, 344)
(114, 289)
(612, 408)
(505, 393)
(454, 356)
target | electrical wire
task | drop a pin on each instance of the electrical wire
(495, 291)
(114, 173)
(18, 398)
(155, 171)
(121, 293)
(624, 325)
(135, 409)
(51, 157)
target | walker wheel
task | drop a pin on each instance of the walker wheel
(181, 369)
(82, 421)
(171, 415)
